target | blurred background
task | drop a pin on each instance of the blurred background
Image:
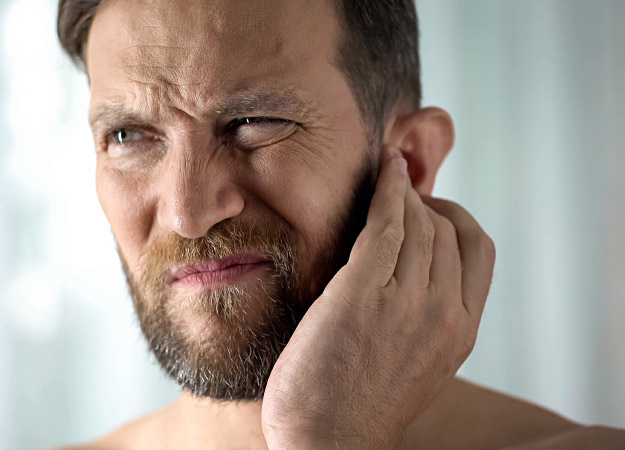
(536, 91)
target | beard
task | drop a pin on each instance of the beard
(223, 343)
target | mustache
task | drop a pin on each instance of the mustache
(275, 241)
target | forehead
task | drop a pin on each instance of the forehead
(195, 51)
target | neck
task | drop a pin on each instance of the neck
(203, 423)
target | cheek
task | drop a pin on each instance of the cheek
(122, 200)
(309, 184)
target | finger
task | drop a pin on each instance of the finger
(477, 253)
(415, 256)
(446, 268)
(374, 255)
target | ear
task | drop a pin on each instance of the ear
(424, 137)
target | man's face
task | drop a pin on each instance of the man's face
(233, 167)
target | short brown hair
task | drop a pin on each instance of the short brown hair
(379, 50)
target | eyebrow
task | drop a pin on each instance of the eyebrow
(285, 102)
(250, 101)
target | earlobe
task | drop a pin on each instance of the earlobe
(425, 137)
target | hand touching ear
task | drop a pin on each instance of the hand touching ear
(390, 329)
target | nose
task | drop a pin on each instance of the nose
(196, 192)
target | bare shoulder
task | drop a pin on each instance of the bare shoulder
(580, 438)
(147, 432)
(466, 415)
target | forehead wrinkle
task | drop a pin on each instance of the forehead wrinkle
(169, 65)
(195, 23)
(188, 58)
(202, 43)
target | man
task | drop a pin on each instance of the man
(260, 164)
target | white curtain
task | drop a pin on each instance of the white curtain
(535, 88)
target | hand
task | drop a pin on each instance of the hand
(390, 329)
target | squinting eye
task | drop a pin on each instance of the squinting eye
(256, 132)
(125, 136)
(254, 120)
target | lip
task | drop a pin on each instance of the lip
(215, 273)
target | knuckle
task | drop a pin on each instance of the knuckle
(393, 231)
(447, 227)
(479, 239)
(457, 207)
(388, 244)
(426, 245)
(426, 239)
(451, 320)
(489, 247)
(385, 254)
(428, 229)
(485, 247)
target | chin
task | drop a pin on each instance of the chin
(218, 313)
(220, 344)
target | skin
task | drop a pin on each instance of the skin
(402, 312)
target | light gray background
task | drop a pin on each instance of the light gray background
(535, 88)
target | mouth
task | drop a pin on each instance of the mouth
(218, 273)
